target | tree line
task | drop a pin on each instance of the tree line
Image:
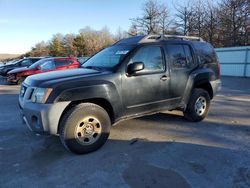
(223, 23)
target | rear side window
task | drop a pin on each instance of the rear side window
(177, 56)
(180, 56)
(206, 53)
(189, 56)
(152, 58)
(62, 62)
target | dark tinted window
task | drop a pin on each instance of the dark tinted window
(206, 53)
(48, 65)
(177, 56)
(35, 60)
(62, 62)
(151, 57)
(189, 57)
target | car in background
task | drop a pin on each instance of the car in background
(26, 62)
(82, 59)
(44, 65)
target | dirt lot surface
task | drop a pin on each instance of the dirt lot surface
(162, 150)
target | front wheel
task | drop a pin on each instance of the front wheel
(85, 128)
(198, 106)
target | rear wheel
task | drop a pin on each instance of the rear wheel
(198, 106)
(85, 128)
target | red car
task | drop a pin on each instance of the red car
(44, 65)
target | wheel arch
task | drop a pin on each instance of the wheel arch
(205, 84)
(105, 104)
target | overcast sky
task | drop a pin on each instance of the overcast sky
(26, 22)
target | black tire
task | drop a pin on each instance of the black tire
(77, 124)
(194, 113)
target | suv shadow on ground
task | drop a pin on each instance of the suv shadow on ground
(140, 163)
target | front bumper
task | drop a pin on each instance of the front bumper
(41, 118)
(2, 72)
(216, 86)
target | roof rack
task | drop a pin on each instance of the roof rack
(154, 38)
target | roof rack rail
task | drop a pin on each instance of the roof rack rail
(183, 37)
(155, 37)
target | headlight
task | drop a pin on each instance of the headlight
(40, 95)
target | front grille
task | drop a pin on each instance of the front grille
(30, 93)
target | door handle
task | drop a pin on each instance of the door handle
(164, 78)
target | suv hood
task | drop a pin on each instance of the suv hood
(59, 76)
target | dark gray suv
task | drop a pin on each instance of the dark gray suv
(135, 77)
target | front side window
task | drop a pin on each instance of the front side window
(48, 65)
(152, 58)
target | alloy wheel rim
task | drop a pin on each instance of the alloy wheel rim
(200, 106)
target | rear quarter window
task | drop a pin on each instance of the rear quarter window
(205, 53)
(62, 62)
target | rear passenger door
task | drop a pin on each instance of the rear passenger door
(180, 57)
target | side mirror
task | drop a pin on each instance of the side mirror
(135, 67)
(38, 67)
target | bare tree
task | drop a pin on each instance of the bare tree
(133, 31)
(149, 22)
(211, 23)
(198, 15)
(164, 22)
(184, 18)
(234, 19)
(120, 34)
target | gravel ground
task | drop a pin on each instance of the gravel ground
(162, 150)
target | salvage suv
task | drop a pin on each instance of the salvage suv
(134, 77)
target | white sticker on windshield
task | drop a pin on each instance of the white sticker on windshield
(122, 52)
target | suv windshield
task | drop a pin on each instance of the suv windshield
(107, 58)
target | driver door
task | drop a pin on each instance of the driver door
(148, 89)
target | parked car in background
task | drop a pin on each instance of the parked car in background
(82, 59)
(44, 65)
(26, 62)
